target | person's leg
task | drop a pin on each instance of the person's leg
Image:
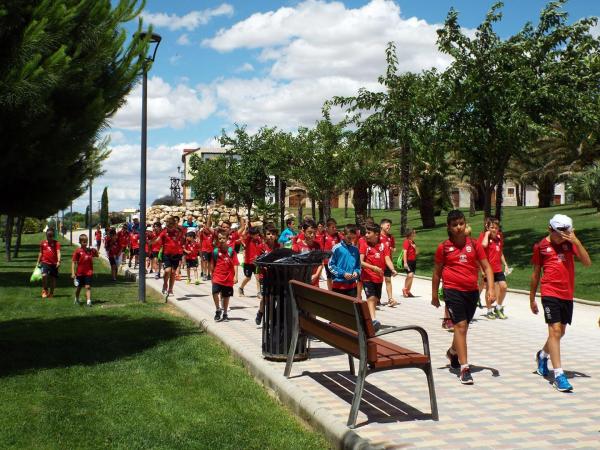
(409, 281)
(501, 288)
(189, 274)
(372, 303)
(196, 278)
(77, 292)
(359, 289)
(172, 277)
(552, 346)
(44, 284)
(225, 301)
(88, 294)
(388, 288)
(258, 291)
(217, 301)
(52, 284)
(166, 278)
(459, 341)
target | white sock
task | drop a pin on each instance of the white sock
(558, 372)
(463, 367)
(543, 354)
(490, 310)
(499, 308)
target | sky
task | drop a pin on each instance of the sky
(274, 63)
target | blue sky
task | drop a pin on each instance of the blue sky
(271, 63)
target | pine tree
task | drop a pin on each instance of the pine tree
(104, 208)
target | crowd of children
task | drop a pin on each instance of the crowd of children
(360, 260)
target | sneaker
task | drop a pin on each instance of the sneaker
(204, 278)
(157, 276)
(258, 319)
(376, 325)
(89, 303)
(217, 315)
(479, 305)
(453, 357)
(76, 301)
(542, 365)
(241, 292)
(151, 271)
(225, 318)
(197, 282)
(208, 278)
(500, 314)
(187, 281)
(130, 264)
(562, 384)
(44, 293)
(491, 315)
(465, 376)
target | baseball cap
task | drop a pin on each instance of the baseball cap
(560, 222)
(136, 217)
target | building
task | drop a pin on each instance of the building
(205, 153)
(461, 197)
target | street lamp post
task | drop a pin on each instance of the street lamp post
(154, 40)
(90, 215)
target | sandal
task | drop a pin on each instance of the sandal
(392, 303)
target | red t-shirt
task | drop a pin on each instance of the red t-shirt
(266, 249)
(460, 264)
(301, 246)
(234, 238)
(207, 237)
(134, 240)
(387, 239)
(84, 257)
(193, 248)
(374, 255)
(224, 268)
(493, 251)
(558, 266)
(112, 246)
(49, 252)
(123, 238)
(98, 235)
(252, 248)
(157, 245)
(410, 250)
(172, 241)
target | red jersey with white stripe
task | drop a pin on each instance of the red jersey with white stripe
(374, 255)
(207, 237)
(493, 251)
(460, 264)
(410, 249)
(387, 239)
(224, 269)
(134, 241)
(49, 252)
(252, 248)
(84, 257)
(193, 248)
(172, 241)
(558, 268)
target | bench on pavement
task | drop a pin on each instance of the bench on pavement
(345, 323)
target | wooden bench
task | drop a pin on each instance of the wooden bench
(345, 323)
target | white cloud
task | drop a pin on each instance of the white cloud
(117, 137)
(189, 21)
(168, 106)
(184, 39)
(246, 67)
(173, 59)
(316, 50)
(123, 175)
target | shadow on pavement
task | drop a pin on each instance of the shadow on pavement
(33, 344)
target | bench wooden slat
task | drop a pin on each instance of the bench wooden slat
(327, 312)
(333, 300)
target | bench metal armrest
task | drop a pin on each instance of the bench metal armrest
(418, 329)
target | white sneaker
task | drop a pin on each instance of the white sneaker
(89, 303)
(76, 301)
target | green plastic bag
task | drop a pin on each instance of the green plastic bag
(160, 253)
(36, 275)
(400, 261)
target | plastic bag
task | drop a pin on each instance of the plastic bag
(400, 261)
(36, 275)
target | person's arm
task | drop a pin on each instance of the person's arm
(72, 269)
(435, 284)
(581, 253)
(405, 256)
(39, 258)
(357, 270)
(533, 285)
(390, 265)
(375, 269)
(504, 261)
(58, 256)
(485, 241)
(416, 249)
(235, 273)
(489, 275)
(243, 227)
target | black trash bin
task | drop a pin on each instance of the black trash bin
(278, 268)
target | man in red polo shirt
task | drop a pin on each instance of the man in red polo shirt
(49, 261)
(553, 258)
(458, 261)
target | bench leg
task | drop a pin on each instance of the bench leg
(351, 362)
(358, 391)
(432, 399)
(291, 351)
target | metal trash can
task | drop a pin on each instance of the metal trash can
(278, 268)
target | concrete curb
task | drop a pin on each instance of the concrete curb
(301, 404)
(522, 291)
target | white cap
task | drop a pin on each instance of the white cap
(561, 221)
(136, 217)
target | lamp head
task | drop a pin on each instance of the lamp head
(154, 39)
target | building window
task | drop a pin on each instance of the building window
(510, 192)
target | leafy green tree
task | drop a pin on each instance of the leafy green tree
(211, 179)
(104, 208)
(585, 186)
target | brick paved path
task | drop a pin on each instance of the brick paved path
(509, 406)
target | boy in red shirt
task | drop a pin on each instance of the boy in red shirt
(327, 240)
(49, 261)
(207, 238)
(409, 260)
(224, 270)
(375, 257)
(112, 249)
(82, 269)
(252, 248)
(191, 250)
(270, 243)
(493, 243)
(134, 244)
(123, 238)
(98, 237)
(308, 244)
(171, 239)
(458, 261)
(386, 237)
(553, 258)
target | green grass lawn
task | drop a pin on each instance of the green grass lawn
(123, 374)
(522, 228)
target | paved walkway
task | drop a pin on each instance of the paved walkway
(509, 406)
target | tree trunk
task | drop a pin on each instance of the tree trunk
(426, 205)
(249, 209)
(479, 196)
(487, 197)
(472, 208)
(326, 208)
(546, 191)
(8, 229)
(370, 198)
(359, 200)
(321, 211)
(499, 198)
(346, 195)
(313, 208)
(518, 193)
(20, 223)
(405, 186)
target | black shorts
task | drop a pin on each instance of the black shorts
(135, 251)
(328, 272)
(557, 310)
(84, 280)
(461, 305)
(191, 263)
(98, 243)
(225, 291)
(387, 272)
(112, 260)
(206, 256)
(412, 266)
(249, 269)
(349, 292)
(499, 276)
(49, 269)
(171, 261)
(372, 289)
(237, 247)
